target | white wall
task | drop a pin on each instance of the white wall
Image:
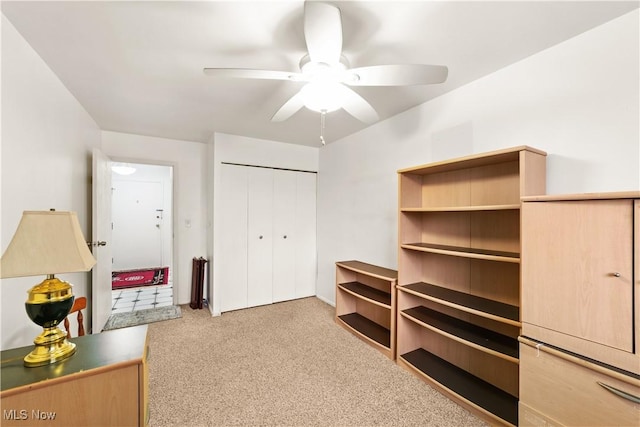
(190, 197)
(46, 145)
(257, 152)
(578, 101)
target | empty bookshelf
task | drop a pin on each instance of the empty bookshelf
(365, 303)
(458, 314)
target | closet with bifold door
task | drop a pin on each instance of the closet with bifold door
(268, 235)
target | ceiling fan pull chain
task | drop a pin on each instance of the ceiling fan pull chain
(322, 114)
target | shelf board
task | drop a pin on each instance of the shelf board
(360, 290)
(368, 328)
(479, 306)
(472, 161)
(369, 269)
(462, 383)
(510, 207)
(461, 251)
(478, 337)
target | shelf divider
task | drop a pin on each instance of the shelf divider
(483, 307)
(368, 328)
(464, 252)
(507, 207)
(481, 338)
(360, 290)
(469, 387)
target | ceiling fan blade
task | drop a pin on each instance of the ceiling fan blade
(323, 32)
(295, 103)
(247, 73)
(398, 75)
(357, 106)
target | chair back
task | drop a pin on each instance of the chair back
(79, 304)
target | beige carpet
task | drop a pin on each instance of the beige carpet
(285, 364)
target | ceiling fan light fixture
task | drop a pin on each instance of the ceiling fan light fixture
(322, 72)
(322, 96)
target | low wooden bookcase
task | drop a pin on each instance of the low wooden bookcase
(366, 303)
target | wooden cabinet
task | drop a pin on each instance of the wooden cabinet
(267, 229)
(579, 275)
(581, 309)
(458, 314)
(105, 383)
(366, 303)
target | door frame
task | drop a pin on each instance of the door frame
(174, 217)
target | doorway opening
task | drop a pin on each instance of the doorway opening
(142, 236)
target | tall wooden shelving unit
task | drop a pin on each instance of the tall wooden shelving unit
(458, 315)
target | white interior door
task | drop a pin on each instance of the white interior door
(101, 233)
(284, 235)
(260, 236)
(232, 258)
(305, 232)
(137, 224)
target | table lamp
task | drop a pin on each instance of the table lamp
(47, 243)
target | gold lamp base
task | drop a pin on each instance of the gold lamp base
(51, 347)
(47, 305)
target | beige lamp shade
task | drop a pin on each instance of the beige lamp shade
(46, 242)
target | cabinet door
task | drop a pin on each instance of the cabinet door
(577, 270)
(260, 236)
(284, 235)
(233, 235)
(305, 231)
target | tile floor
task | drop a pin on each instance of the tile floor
(133, 299)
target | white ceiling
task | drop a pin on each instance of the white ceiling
(136, 67)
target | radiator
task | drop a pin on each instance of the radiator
(197, 282)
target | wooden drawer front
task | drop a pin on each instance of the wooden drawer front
(556, 390)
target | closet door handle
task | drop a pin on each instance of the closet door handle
(260, 237)
(284, 237)
(620, 393)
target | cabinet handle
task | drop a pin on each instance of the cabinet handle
(285, 236)
(620, 393)
(260, 237)
(616, 274)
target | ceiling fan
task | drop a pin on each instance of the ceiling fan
(327, 74)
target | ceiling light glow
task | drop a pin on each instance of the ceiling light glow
(123, 169)
(322, 96)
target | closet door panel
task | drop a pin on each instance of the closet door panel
(233, 234)
(260, 236)
(305, 232)
(284, 235)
